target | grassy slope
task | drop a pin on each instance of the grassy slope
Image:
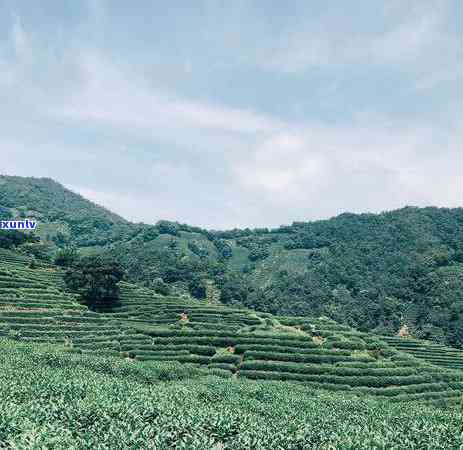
(316, 352)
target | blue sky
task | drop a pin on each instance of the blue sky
(233, 114)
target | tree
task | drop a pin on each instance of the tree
(197, 288)
(160, 287)
(166, 227)
(37, 249)
(5, 213)
(12, 238)
(96, 279)
(66, 257)
(60, 239)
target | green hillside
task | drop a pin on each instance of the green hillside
(63, 215)
(373, 272)
(171, 371)
(230, 342)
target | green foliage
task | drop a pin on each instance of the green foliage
(197, 288)
(166, 227)
(196, 248)
(372, 272)
(37, 249)
(56, 399)
(95, 279)
(12, 238)
(159, 286)
(225, 341)
(223, 247)
(43, 198)
(5, 213)
(66, 257)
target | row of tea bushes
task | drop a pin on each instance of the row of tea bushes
(436, 354)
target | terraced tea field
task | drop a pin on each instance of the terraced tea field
(436, 354)
(55, 399)
(230, 342)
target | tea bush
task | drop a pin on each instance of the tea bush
(55, 400)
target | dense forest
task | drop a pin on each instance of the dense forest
(382, 272)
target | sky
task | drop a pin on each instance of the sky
(236, 114)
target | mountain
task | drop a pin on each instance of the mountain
(64, 216)
(399, 270)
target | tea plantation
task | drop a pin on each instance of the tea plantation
(316, 352)
(158, 371)
(439, 355)
(50, 398)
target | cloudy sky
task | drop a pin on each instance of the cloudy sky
(236, 113)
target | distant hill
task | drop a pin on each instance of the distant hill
(65, 216)
(399, 270)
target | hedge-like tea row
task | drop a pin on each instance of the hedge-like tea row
(31, 321)
(320, 369)
(214, 327)
(63, 306)
(295, 339)
(427, 396)
(430, 352)
(407, 389)
(347, 345)
(161, 333)
(437, 355)
(367, 364)
(222, 373)
(181, 358)
(99, 345)
(223, 366)
(281, 376)
(127, 329)
(315, 350)
(356, 381)
(154, 353)
(56, 326)
(125, 338)
(302, 358)
(64, 332)
(224, 341)
(197, 349)
(230, 359)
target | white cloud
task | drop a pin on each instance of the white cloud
(125, 140)
(20, 41)
(111, 94)
(415, 38)
(126, 204)
(354, 168)
(281, 165)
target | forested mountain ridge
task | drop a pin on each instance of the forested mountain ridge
(383, 272)
(69, 216)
